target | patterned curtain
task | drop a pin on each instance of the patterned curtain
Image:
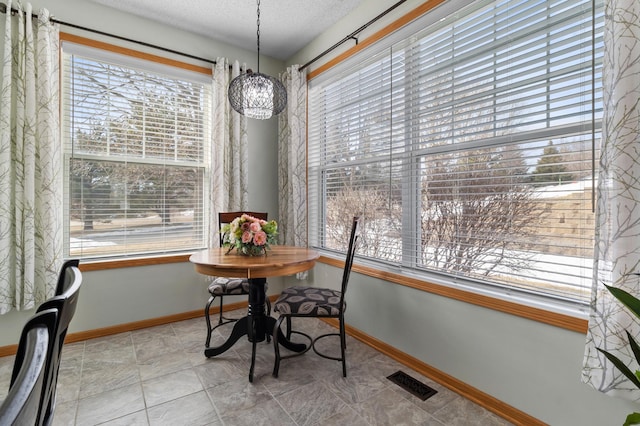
(229, 150)
(292, 160)
(617, 251)
(30, 158)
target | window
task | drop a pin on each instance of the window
(466, 142)
(136, 155)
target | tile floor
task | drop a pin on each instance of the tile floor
(159, 376)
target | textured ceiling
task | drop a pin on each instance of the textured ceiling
(286, 26)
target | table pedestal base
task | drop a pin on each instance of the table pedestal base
(255, 326)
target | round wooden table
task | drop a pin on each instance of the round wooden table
(279, 260)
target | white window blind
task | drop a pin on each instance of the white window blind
(467, 146)
(136, 156)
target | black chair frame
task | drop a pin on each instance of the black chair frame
(63, 280)
(340, 316)
(65, 304)
(23, 404)
(224, 218)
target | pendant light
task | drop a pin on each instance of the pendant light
(257, 95)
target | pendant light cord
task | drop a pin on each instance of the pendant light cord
(258, 35)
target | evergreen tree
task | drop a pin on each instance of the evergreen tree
(550, 167)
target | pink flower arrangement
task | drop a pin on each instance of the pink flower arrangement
(249, 235)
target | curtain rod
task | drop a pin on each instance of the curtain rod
(3, 9)
(353, 35)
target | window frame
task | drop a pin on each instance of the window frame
(150, 63)
(394, 272)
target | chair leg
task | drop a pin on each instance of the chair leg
(220, 317)
(288, 328)
(343, 347)
(268, 303)
(208, 319)
(276, 346)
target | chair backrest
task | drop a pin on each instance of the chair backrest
(65, 304)
(348, 263)
(22, 406)
(63, 277)
(227, 217)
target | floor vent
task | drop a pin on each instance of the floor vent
(412, 385)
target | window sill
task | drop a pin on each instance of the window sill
(546, 316)
(98, 265)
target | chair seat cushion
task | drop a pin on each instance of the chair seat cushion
(222, 286)
(310, 301)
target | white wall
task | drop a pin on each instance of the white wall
(529, 365)
(119, 296)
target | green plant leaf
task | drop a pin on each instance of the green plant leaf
(632, 419)
(627, 299)
(634, 346)
(620, 366)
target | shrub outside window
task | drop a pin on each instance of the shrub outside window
(467, 143)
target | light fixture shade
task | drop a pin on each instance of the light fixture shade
(257, 95)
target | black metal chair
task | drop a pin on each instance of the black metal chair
(22, 406)
(299, 301)
(65, 304)
(222, 286)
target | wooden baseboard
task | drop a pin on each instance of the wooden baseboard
(136, 325)
(492, 404)
(8, 350)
